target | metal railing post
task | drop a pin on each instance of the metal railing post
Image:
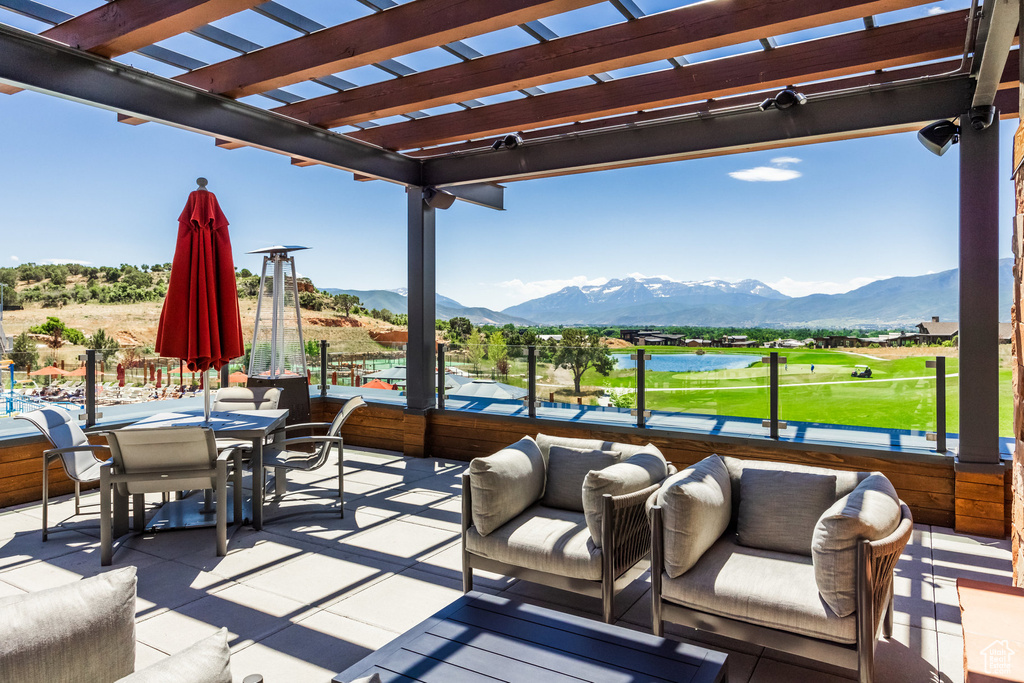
(440, 376)
(323, 367)
(90, 388)
(773, 423)
(641, 357)
(531, 382)
(225, 373)
(940, 402)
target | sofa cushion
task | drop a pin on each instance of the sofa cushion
(567, 468)
(84, 631)
(626, 449)
(871, 511)
(542, 538)
(696, 506)
(633, 474)
(506, 483)
(779, 509)
(762, 587)
(208, 661)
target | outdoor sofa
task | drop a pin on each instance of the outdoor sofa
(796, 559)
(567, 513)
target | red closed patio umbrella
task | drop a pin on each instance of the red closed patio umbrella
(200, 323)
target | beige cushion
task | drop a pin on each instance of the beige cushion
(546, 442)
(871, 511)
(506, 483)
(208, 661)
(567, 468)
(84, 631)
(633, 474)
(779, 509)
(696, 505)
(762, 587)
(542, 538)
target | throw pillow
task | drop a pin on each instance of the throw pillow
(84, 631)
(506, 483)
(633, 474)
(696, 506)
(208, 661)
(779, 509)
(567, 468)
(872, 511)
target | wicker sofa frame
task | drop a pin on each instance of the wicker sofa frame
(876, 564)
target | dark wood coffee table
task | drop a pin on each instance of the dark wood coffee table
(483, 637)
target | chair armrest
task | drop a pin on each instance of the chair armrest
(626, 531)
(56, 452)
(307, 425)
(467, 505)
(877, 561)
(297, 440)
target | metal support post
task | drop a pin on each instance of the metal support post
(940, 402)
(979, 293)
(531, 382)
(90, 388)
(323, 367)
(225, 374)
(440, 376)
(641, 357)
(772, 423)
(422, 345)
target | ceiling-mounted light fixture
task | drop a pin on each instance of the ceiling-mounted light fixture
(438, 199)
(783, 100)
(938, 137)
(510, 141)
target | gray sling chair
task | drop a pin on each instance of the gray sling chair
(160, 460)
(281, 457)
(71, 446)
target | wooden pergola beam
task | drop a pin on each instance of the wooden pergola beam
(1009, 80)
(910, 42)
(686, 30)
(123, 26)
(398, 31)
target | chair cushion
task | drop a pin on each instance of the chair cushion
(84, 631)
(871, 511)
(208, 661)
(696, 505)
(506, 483)
(633, 474)
(762, 587)
(567, 468)
(779, 509)
(546, 442)
(542, 538)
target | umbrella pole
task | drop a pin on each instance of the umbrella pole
(206, 394)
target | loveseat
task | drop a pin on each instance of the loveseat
(567, 513)
(796, 559)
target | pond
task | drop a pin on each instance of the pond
(688, 362)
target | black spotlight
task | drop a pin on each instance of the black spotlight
(783, 100)
(510, 141)
(982, 117)
(438, 199)
(938, 137)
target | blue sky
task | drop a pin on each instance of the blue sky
(76, 185)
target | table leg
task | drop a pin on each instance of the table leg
(258, 483)
(120, 522)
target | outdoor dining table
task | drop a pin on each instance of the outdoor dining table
(254, 425)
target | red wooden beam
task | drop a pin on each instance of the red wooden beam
(403, 29)
(905, 43)
(686, 30)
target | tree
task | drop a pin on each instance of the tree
(475, 351)
(58, 331)
(497, 351)
(579, 351)
(347, 302)
(461, 328)
(24, 352)
(59, 275)
(105, 346)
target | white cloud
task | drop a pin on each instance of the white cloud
(932, 11)
(765, 174)
(15, 258)
(792, 287)
(58, 261)
(783, 161)
(531, 290)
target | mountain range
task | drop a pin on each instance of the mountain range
(889, 303)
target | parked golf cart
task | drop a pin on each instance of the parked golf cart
(865, 371)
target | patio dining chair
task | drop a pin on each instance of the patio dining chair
(161, 460)
(71, 446)
(281, 455)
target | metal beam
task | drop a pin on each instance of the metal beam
(979, 294)
(996, 33)
(45, 66)
(877, 109)
(422, 347)
(488, 195)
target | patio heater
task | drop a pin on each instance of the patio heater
(278, 357)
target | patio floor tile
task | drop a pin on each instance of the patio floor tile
(401, 542)
(399, 602)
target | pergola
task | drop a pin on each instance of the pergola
(632, 90)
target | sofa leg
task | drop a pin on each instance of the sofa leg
(467, 578)
(608, 601)
(887, 621)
